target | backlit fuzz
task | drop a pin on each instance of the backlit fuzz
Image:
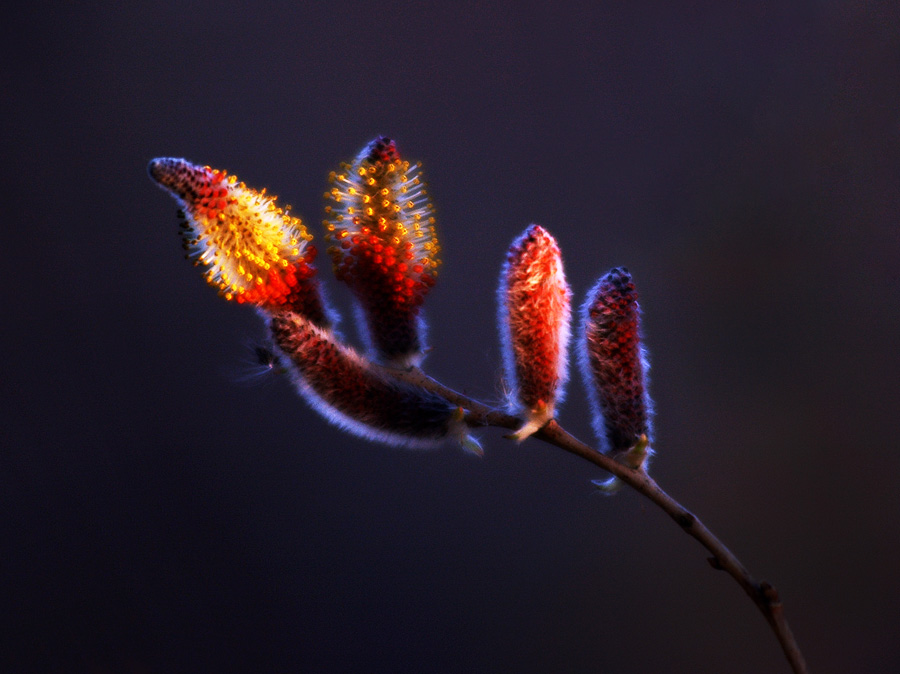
(344, 388)
(534, 313)
(254, 251)
(380, 225)
(613, 364)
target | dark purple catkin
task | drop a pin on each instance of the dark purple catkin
(345, 389)
(613, 363)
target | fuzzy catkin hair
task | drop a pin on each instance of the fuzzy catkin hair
(254, 251)
(534, 313)
(380, 225)
(340, 385)
(614, 363)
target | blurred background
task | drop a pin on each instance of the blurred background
(163, 510)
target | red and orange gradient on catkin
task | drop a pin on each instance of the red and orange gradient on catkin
(534, 314)
(254, 251)
(380, 225)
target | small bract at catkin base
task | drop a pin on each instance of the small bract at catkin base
(534, 315)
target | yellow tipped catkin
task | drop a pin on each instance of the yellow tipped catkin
(380, 225)
(255, 252)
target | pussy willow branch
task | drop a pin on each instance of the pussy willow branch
(762, 593)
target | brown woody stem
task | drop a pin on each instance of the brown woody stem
(762, 593)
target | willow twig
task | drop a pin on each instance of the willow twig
(762, 593)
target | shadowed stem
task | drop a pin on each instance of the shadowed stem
(762, 593)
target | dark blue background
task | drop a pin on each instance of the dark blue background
(158, 515)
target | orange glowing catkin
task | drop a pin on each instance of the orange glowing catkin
(383, 246)
(254, 251)
(534, 313)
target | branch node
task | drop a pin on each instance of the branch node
(770, 594)
(715, 563)
(685, 520)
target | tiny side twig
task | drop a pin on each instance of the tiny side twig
(762, 593)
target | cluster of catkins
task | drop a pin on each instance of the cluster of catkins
(380, 228)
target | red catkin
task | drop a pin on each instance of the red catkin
(534, 314)
(614, 363)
